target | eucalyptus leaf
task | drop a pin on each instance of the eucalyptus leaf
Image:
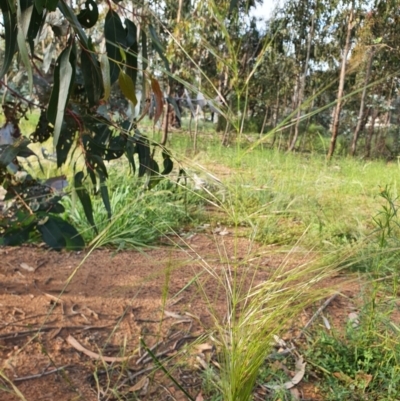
(10, 36)
(159, 47)
(63, 80)
(104, 193)
(105, 73)
(127, 87)
(89, 15)
(23, 25)
(84, 197)
(115, 36)
(92, 76)
(59, 234)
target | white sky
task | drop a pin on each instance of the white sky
(265, 9)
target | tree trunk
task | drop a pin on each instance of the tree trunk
(295, 102)
(338, 108)
(302, 87)
(368, 142)
(178, 18)
(362, 103)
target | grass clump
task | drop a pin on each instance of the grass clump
(140, 218)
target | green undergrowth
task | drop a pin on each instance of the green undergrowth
(360, 361)
(140, 217)
(283, 195)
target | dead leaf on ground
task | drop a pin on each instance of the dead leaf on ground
(199, 397)
(203, 347)
(343, 377)
(363, 379)
(141, 384)
(295, 394)
(18, 311)
(300, 371)
(26, 267)
(173, 315)
(79, 347)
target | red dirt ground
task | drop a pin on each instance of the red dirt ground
(112, 301)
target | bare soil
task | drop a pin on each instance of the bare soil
(109, 301)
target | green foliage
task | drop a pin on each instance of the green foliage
(362, 364)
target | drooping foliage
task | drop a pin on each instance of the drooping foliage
(85, 83)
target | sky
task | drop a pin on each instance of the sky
(265, 9)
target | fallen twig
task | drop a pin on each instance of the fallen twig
(317, 313)
(39, 375)
(146, 352)
(79, 347)
(17, 334)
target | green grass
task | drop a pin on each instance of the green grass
(282, 195)
(140, 218)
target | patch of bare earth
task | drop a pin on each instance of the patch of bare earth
(49, 308)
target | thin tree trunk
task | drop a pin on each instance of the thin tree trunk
(302, 87)
(336, 116)
(178, 18)
(368, 142)
(362, 103)
(263, 123)
(295, 102)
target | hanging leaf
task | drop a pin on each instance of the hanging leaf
(144, 51)
(131, 51)
(127, 87)
(130, 150)
(43, 129)
(64, 73)
(49, 5)
(16, 235)
(98, 164)
(23, 52)
(66, 140)
(84, 197)
(10, 36)
(92, 76)
(115, 36)
(73, 20)
(104, 193)
(36, 21)
(159, 99)
(89, 15)
(131, 33)
(177, 110)
(143, 150)
(9, 152)
(153, 175)
(158, 47)
(167, 163)
(59, 234)
(105, 73)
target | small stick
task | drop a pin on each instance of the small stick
(146, 352)
(317, 313)
(20, 379)
(48, 328)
